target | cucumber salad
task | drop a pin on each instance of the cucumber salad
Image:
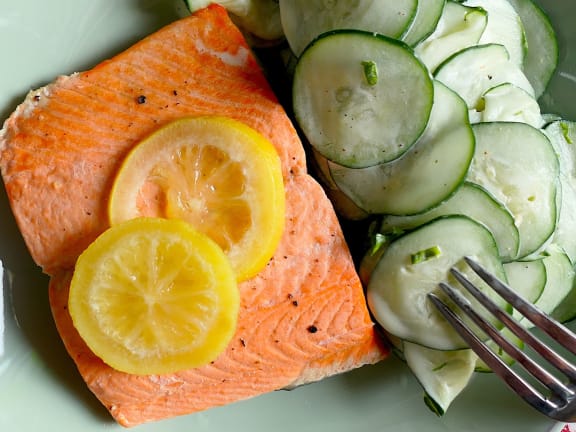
(423, 119)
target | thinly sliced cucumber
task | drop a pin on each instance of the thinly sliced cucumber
(527, 278)
(442, 374)
(404, 186)
(474, 70)
(504, 27)
(395, 342)
(322, 170)
(473, 201)
(343, 205)
(560, 276)
(507, 102)
(304, 20)
(566, 311)
(459, 27)
(504, 356)
(427, 16)
(397, 346)
(559, 282)
(562, 135)
(518, 166)
(361, 99)
(565, 233)
(260, 18)
(541, 58)
(398, 289)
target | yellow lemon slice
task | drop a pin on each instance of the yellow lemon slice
(153, 296)
(219, 175)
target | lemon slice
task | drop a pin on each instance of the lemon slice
(217, 174)
(153, 296)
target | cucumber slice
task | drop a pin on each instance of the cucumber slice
(473, 201)
(304, 20)
(562, 135)
(442, 374)
(504, 27)
(427, 16)
(342, 204)
(504, 356)
(474, 70)
(260, 18)
(518, 166)
(398, 289)
(322, 170)
(396, 346)
(395, 342)
(542, 56)
(404, 186)
(507, 102)
(459, 27)
(527, 278)
(361, 99)
(559, 283)
(566, 310)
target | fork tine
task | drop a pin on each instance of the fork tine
(530, 365)
(556, 330)
(546, 352)
(514, 381)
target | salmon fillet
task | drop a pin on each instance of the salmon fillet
(303, 318)
(77, 130)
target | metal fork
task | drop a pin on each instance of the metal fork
(551, 395)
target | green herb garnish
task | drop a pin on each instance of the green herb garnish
(378, 240)
(426, 254)
(370, 72)
(566, 132)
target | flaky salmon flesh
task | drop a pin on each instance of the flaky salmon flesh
(303, 318)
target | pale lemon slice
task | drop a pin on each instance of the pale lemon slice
(153, 296)
(216, 173)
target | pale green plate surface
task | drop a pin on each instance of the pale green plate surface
(40, 389)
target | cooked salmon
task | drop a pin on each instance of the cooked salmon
(303, 318)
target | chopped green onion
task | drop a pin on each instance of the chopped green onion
(566, 132)
(378, 241)
(370, 72)
(426, 254)
(481, 105)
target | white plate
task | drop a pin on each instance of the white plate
(40, 389)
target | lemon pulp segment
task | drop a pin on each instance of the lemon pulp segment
(216, 173)
(152, 296)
